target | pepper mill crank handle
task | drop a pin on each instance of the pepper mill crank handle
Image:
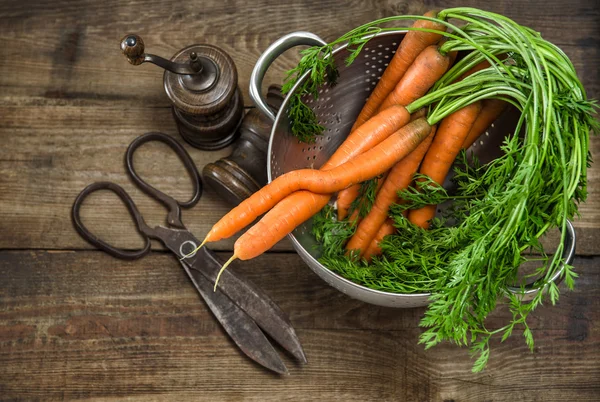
(132, 47)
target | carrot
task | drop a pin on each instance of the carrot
(398, 179)
(411, 46)
(365, 137)
(491, 109)
(369, 134)
(369, 164)
(365, 166)
(427, 68)
(347, 196)
(384, 230)
(445, 147)
(344, 200)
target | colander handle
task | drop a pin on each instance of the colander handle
(568, 255)
(268, 57)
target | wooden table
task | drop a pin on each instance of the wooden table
(78, 324)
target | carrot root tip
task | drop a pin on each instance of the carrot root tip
(233, 257)
(194, 251)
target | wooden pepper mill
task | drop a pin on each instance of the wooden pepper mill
(244, 172)
(201, 82)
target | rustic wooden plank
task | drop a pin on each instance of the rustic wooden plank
(52, 153)
(85, 325)
(52, 282)
(76, 59)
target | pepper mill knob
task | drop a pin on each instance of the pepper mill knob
(132, 47)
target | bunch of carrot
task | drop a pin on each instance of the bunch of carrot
(390, 137)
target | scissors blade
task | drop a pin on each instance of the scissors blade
(240, 290)
(252, 300)
(241, 328)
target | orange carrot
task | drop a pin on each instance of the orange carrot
(369, 134)
(411, 46)
(427, 68)
(291, 215)
(369, 164)
(398, 179)
(384, 230)
(347, 196)
(446, 145)
(345, 199)
(491, 109)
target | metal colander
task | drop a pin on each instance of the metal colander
(336, 109)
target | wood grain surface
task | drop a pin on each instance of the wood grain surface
(82, 324)
(78, 324)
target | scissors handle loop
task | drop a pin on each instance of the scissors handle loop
(96, 241)
(174, 206)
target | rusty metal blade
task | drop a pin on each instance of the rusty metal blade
(241, 328)
(253, 301)
(241, 291)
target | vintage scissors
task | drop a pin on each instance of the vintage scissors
(240, 306)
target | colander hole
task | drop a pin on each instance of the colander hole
(492, 125)
(331, 105)
(321, 147)
(314, 157)
(337, 130)
(368, 71)
(373, 58)
(308, 158)
(373, 75)
(303, 150)
(387, 57)
(487, 133)
(367, 49)
(368, 80)
(480, 142)
(367, 89)
(379, 45)
(387, 48)
(378, 78)
(380, 61)
(394, 43)
(386, 64)
(380, 69)
(379, 54)
(373, 51)
(366, 55)
(329, 138)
